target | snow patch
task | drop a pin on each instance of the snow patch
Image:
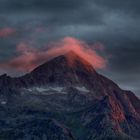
(51, 90)
(45, 90)
(3, 102)
(83, 89)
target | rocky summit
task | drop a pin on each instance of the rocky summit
(66, 99)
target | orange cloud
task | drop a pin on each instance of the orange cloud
(5, 32)
(28, 57)
(79, 47)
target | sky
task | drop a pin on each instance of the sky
(109, 28)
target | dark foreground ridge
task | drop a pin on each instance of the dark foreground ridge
(66, 99)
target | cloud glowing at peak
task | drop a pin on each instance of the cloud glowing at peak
(80, 48)
(28, 57)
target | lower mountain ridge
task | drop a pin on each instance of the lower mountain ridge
(66, 99)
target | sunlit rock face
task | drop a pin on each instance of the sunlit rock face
(66, 99)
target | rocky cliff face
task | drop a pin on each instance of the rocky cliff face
(66, 99)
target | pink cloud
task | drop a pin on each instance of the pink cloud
(5, 32)
(28, 57)
(81, 48)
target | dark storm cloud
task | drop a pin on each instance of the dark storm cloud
(127, 6)
(59, 12)
(129, 53)
(113, 23)
(65, 5)
(41, 5)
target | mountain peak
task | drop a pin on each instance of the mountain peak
(69, 60)
(74, 59)
(65, 69)
(71, 53)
